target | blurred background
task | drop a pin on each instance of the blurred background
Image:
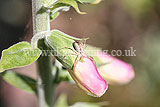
(111, 25)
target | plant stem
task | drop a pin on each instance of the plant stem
(45, 85)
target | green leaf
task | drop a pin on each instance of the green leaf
(89, 1)
(18, 55)
(20, 81)
(59, 44)
(72, 3)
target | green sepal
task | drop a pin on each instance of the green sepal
(20, 81)
(59, 44)
(18, 55)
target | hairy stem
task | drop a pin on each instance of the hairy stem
(45, 85)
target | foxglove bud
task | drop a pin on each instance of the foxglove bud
(111, 69)
(81, 67)
(87, 77)
(115, 71)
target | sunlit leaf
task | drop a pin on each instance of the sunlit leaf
(18, 55)
(20, 81)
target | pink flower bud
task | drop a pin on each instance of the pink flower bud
(87, 77)
(115, 71)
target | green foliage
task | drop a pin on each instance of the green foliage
(20, 81)
(59, 44)
(18, 55)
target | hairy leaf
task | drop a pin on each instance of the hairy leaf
(18, 55)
